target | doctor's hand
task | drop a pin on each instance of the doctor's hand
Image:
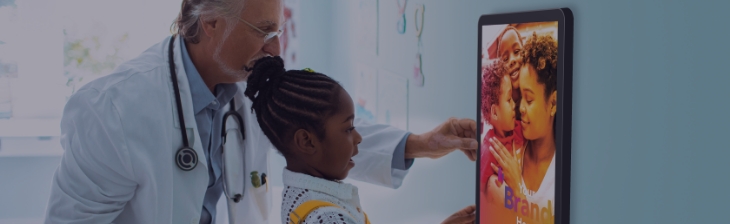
(466, 215)
(444, 139)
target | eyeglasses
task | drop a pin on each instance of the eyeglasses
(268, 36)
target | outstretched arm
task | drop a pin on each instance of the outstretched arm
(451, 135)
(380, 162)
(381, 158)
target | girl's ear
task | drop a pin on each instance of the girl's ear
(553, 103)
(305, 142)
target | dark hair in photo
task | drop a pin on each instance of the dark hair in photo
(541, 52)
(492, 75)
(286, 101)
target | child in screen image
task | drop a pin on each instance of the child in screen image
(497, 111)
(533, 181)
(508, 51)
(309, 118)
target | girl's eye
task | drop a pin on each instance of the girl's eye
(350, 129)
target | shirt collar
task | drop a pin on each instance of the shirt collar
(339, 190)
(202, 96)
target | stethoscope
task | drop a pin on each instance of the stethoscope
(186, 158)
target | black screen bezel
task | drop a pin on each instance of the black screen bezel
(564, 16)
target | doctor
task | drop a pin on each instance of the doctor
(126, 159)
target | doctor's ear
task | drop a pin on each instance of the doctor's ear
(208, 25)
(305, 142)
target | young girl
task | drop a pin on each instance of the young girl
(498, 111)
(509, 49)
(309, 118)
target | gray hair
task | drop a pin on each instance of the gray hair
(193, 12)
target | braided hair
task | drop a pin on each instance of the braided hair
(286, 101)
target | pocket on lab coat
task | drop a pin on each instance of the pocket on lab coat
(262, 198)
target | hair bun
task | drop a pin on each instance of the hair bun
(270, 64)
(266, 71)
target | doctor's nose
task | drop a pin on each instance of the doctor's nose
(273, 47)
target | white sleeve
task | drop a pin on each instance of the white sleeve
(330, 215)
(95, 178)
(373, 163)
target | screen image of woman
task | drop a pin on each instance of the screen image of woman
(518, 110)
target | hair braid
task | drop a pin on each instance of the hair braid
(286, 101)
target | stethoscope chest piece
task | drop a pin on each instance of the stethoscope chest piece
(186, 159)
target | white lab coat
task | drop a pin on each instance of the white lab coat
(120, 134)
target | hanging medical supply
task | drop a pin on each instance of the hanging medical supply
(402, 16)
(418, 78)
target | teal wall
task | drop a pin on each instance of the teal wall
(650, 104)
(650, 109)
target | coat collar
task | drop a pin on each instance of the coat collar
(341, 190)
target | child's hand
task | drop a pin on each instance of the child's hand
(510, 167)
(466, 215)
